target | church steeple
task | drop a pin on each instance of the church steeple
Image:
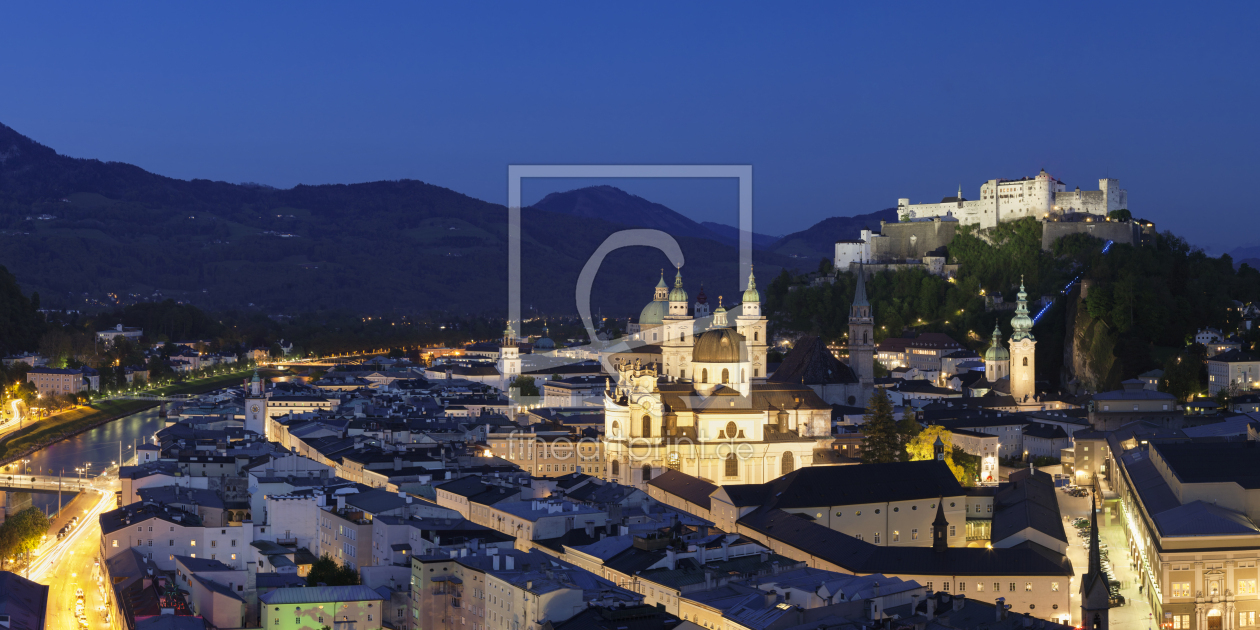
(940, 526)
(862, 337)
(1095, 591)
(1021, 323)
(859, 296)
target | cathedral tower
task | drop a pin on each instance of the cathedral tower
(679, 337)
(1023, 355)
(997, 361)
(752, 325)
(862, 336)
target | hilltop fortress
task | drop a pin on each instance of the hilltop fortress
(925, 230)
(1003, 200)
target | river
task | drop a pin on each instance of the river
(97, 449)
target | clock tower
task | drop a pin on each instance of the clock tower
(256, 408)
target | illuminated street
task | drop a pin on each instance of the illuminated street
(68, 565)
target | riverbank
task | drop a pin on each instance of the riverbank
(67, 424)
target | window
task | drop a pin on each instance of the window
(1054, 586)
(980, 586)
(1246, 587)
(997, 587)
(1181, 622)
(616, 467)
(945, 586)
(1247, 618)
(1181, 589)
(172, 543)
(952, 529)
(1012, 589)
(616, 428)
(896, 536)
(914, 534)
(789, 463)
(214, 543)
(192, 543)
(859, 537)
(928, 586)
(732, 466)
(962, 586)
(647, 426)
(115, 542)
(877, 538)
(150, 543)
(726, 376)
(704, 375)
(1027, 586)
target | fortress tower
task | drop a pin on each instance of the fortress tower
(1023, 352)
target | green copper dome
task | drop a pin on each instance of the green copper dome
(996, 351)
(653, 314)
(677, 294)
(751, 294)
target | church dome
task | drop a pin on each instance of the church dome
(544, 344)
(654, 313)
(677, 294)
(997, 353)
(751, 294)
(720, 345)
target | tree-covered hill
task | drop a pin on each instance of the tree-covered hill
(86, 233)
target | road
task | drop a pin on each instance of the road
(1136, 612)
(69, 564)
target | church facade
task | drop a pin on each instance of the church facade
(706, 409)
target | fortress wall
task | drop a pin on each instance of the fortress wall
(1118, 231)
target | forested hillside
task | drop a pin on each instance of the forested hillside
(87, 234)
(1143, 302)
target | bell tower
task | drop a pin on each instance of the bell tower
(256, 408)
(509, 358)
(1023, 352)
(679, 333)
(752, 325)
(862, 336)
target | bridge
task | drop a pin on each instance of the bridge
(46, 483)
(156, 397)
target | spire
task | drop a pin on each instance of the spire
(960, 192)
(1021, 323)
(702, 298)
(859, 296)
(1095, 555)
(940, 527)
(509, 336)
(751, 294)
(719, 316)
(677, 294)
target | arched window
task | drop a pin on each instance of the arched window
(672, 460)
(866, 337)
(732, 466)
(726, 376)
(731, 430)
(647, 473)
(682, 336)
(682, 373)
(704, 375)
(616, 429)
(852, 401)
(1025, 361)
(616, 468)
(789, 463)
(647, 426)
(756, 335)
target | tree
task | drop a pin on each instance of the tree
(397, 353)
(907, 429)
(882, 443)
(22, 533)
(923, 447)
(526, 385)
(326, 570)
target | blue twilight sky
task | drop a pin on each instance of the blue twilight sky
(841, 108)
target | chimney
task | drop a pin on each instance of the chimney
(251, 576)
(726, 549)
(959, 600)
(700, 549)
(708, 580)
(1027, 621)
(876, 585)
(495, 561)
(999, 609)
(772, 598)
(931, 606)
(341, 502)
(510, 562)
(590, 529)
(671, 558)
